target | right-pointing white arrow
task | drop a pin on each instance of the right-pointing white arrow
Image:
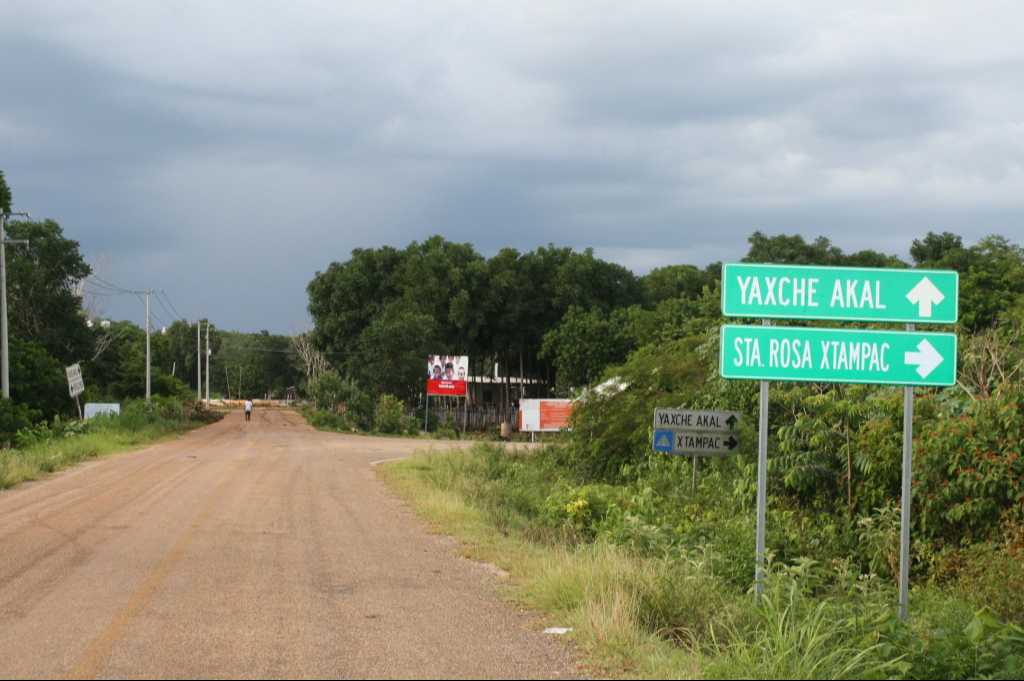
(926, 359)
(925, 294)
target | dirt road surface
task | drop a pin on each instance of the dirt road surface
(247, 550)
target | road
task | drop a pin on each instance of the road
(248, 550)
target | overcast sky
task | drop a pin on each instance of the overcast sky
(225, 152)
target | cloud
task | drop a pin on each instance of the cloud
(264, 140)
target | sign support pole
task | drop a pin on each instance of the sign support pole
(908, 462)
(426, 416)
(693, 485)
(762, 483)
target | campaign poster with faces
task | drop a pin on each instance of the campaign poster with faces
(447, 375)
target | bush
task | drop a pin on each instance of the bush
(991, 574)
(390, 416)
(14, 417)
(327, 420)
(581, 510)
(969, 472)
(329, 391)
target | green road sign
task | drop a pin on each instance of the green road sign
(779, 353)
(841, 293)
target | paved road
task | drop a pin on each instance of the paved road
(247, 550)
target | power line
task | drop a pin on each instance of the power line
(176, 313)
(164, 307)
(99, 281)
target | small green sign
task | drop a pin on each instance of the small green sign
(840, 293)
(779, 353)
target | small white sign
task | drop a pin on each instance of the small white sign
(97, 408)
(76, 386)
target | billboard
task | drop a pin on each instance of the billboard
(447, 375)
(544, 416)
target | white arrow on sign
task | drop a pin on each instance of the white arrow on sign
(925, 294)
(927, 359)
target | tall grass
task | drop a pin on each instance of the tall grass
(790, 636)
(670, 613)
(46, 448)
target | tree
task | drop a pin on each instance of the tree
(792, 250)
(348, 296)
(583, 345)
(992, 283)
(38, 380)
(675, 281)
(42, 303)
(181, 349)
(311, 361)
(936, 249)
(390, 355)
(5, 194)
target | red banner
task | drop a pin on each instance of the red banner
(445, 387)
(447, 375)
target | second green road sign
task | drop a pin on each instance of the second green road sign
(841, 293)
(779, 353)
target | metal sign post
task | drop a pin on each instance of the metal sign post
(908, 461)
(762, 486)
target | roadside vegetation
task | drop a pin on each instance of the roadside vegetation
(608, 538)
(47, 447)
(655, 580)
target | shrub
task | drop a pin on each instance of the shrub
(390, 417)
(327, 420)
(969, 472)
(992, 574)
(14, 417)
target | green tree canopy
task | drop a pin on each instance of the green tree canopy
(42, 302)
(5, 194)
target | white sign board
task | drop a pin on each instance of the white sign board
(544, 416)
(76, 386)
(696, 419)
(97, 408)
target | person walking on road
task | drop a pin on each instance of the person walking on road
(248, 409)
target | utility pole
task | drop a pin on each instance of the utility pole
(5, 373)
(207, 363)
(199, 362)
(148, 358)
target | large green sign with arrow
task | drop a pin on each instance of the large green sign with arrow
(840, 293)
(779, 353)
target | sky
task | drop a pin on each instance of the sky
(224, 152)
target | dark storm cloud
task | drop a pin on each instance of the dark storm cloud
(252, 143)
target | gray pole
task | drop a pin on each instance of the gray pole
(148, 325)
(908, 460)
(5, 365)
(762, 484)
(207, 363)
(5, 377)
(199, 362)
